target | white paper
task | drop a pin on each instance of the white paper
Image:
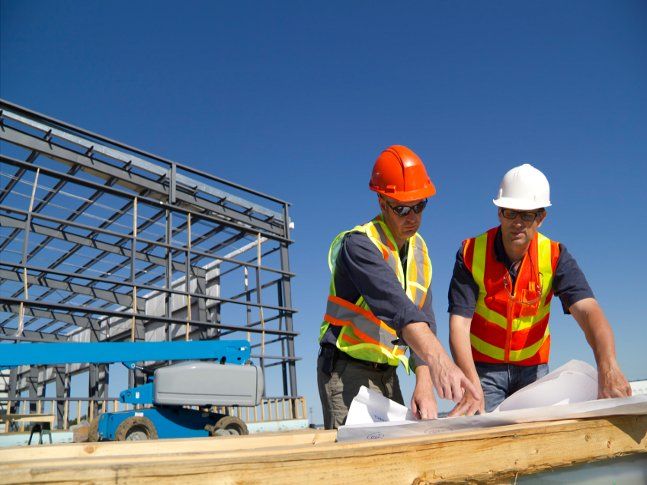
(401, 429)
(372, 407)
(566, 393)
(575, 381)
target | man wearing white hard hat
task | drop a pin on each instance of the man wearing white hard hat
(500, 297)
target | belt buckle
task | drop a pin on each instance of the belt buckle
(379, 366)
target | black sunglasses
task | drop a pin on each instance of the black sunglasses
(526, 216)
(404, 210)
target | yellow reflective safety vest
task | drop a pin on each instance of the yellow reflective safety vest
(363, 335)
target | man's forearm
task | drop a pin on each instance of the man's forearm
(460, 346)
(611, 380)
(423, 376)
(422, 341)
(449, 381)
(596, 328)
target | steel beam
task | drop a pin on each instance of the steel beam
(154, 168)
(148, 200)
(62, 380)
(67, 236)
(59, 316)
(73, 288)
(122, 314)
(31, 336)
(286, 295)
(133, 181)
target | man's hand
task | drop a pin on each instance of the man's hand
(448, 379)
(612, 382)
(423, 401)
(470, 405)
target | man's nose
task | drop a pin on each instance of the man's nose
(518, 221)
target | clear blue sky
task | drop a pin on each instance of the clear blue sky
(296, 99)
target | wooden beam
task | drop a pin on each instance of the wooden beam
(169, 446)
(483, 455)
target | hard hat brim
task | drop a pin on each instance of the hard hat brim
(520, 204)
(409, 195)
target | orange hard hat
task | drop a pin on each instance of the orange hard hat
(400, 174)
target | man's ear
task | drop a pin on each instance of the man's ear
(541, 218)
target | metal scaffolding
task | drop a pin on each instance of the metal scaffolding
(100, 241)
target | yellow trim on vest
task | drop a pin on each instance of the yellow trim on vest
(545, 264)
(486, 348)
(478, 262)
(523, 323)
(527, 352)
(490, 315)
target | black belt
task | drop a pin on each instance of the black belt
(338, 354)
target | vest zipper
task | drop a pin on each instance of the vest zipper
(510, 308)
(508, 334)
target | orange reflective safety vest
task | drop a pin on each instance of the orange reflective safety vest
(363, 335)
(510, 323)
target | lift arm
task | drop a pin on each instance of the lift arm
(129, 353)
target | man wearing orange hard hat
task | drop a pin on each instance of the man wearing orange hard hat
(380, 301)
(500, 296)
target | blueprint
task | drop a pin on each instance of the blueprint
(567, 393)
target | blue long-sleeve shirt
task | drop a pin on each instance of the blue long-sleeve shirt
(361, 270)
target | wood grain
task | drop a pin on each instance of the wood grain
(493, 454)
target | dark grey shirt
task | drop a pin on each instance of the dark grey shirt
(361, 270)
(569, 282)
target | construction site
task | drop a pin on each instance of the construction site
(323, 242)
(104, 243)
(117, 264)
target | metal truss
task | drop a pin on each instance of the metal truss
(100, 241)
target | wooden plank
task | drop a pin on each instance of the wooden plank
(169, 446)
(66, 412)
(28, 418)
(483, 455)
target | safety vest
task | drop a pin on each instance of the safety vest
(510, 323)
(363, 335)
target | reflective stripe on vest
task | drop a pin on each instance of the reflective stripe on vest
(510, 324)
(366, 327)
(362, 334)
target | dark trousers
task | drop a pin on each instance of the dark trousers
(339, 380)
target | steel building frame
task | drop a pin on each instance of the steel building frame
(100, 241)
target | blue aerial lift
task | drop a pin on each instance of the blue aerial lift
(161, 413)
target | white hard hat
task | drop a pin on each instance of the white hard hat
(523, 188)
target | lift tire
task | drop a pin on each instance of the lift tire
(136, 428)
(228, 426)
(93, 430)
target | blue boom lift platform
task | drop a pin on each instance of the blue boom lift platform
(223, 380)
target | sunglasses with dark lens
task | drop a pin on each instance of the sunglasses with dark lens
(525, 216)
(404, 210)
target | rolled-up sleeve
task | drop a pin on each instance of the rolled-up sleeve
(569, 282)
